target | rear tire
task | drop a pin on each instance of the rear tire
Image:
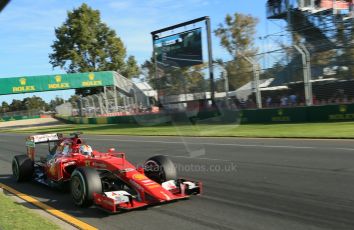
(22, 168)
(84, 182)
(160, 169)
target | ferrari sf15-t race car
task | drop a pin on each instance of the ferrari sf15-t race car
(105, 179)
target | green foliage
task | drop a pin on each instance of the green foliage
(54, 103)
(33, 102)
(30, 103)
(299, 130)
(195, 78)
(237, 34)
(16, 216)
(239, 73)
(132, 69)
(73, 100)
(182, 81)
(16, 105)
(175, 81)
(4, 107)
(237, 37)
(85, 44)
(148, 70)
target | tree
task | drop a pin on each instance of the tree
(55, 102)
(239, 73)
(16, 105)
(175, 80)
(237, 37)
(34, 103)
(5, 107)
(237, 34)
(181, 81)
(28, 103)
(74, 100)
(132, 68)
(85, 44)
(195, 79)
(148, 70)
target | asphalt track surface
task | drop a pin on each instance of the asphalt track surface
(248, 183)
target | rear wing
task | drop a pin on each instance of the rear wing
(31, 142)
(44, 138)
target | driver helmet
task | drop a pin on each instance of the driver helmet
(85, 150)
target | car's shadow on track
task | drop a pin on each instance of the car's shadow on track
(56, 199)
(60, 199)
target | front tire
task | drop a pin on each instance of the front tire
(160, 169)
(84, 182)
(22, 168)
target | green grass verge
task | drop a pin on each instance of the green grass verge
(304, 130)
(15, 216)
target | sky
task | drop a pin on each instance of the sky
(27, 29)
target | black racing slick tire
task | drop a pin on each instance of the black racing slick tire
(22, 168)
(84, 182)
(160, 169)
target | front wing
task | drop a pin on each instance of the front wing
(116, 201)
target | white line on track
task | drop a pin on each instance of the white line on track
(203, 143)
(199, 158)
(347, 149)
(224, 144)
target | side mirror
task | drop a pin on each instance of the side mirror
(140, 169)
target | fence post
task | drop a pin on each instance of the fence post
(256, 85)
(115, 99)
(93, 105)
(307, 81)
(105, 97)
(255, 68)
(306, 66)
(226, 81)
(100, 103)
(81, 112)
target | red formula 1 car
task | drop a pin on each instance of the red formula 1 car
(107, 180)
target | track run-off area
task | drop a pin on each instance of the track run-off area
(248, 183)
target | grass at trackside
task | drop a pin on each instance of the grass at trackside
(15, 216)
(303, 130)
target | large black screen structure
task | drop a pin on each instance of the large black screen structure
(179, 50)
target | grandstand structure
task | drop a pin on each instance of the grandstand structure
(315, 22)
(122, 97)
(324, 28)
